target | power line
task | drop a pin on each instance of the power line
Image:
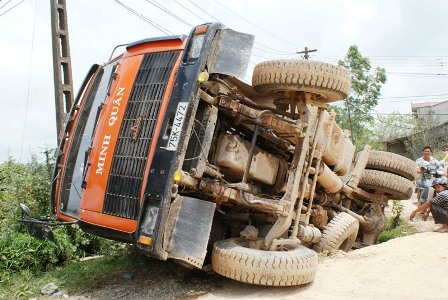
(397, 97)
(422, 74)
(255, 25)
(200, 8)
(409, 114)
(276, 53)
(164, 9)
(5, 4)
(11, 7)
(29, 82)
(154, 24)
(190, 11)
(257, 43)
(411, 100)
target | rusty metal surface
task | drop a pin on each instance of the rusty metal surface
(329, 180)
(366, 196)
(360, 165)
(228, 194)
(205, 134)
(319, 217)
(283, 128)
(232, 154)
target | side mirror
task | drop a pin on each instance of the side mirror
(25, 210)
(36, 228)
(40, 228)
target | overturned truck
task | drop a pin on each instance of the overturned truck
(166, 149)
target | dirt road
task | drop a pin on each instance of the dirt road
(412, 267)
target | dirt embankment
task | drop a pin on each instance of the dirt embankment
(412, 267)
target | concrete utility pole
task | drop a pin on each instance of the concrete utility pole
(306, 51)
(62, 68)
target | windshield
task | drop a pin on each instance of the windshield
(81, 140)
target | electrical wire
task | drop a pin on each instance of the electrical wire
(154, 24)
(190, 11)
(5, 4)
(200, 8)
(279, 52)
(165, 10)
(29, 82)
(11, 7)
(435, 95)
(256, 26)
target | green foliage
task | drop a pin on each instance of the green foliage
(30, 184)
(403, 228)
(355, 115)
(427, 132)
(397, 209)
(23, 291)
(393, 126)
(71, 276)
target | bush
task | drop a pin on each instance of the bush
(30, 183)
(391, 231)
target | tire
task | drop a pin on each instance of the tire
(392, 163)
(330, 82)
(394, 186)
(233, 258)
(340, 234)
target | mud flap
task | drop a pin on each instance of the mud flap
(232, 53)
(189, 225)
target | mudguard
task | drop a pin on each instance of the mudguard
(232, 53)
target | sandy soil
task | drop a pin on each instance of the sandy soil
(412, 267)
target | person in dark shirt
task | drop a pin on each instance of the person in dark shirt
(437, 205)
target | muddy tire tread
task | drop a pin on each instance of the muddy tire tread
(341, 227)
(329, 80)
(271, 268)
(392, 163)
(394, 186)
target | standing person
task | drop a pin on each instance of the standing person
(426, 167)
(437, 205)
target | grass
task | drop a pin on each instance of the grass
(70, 277)
(404, 228)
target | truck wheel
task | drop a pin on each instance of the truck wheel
(340, 234)
(234, 259)
(392, 163)
(330, 82)
(397, 187)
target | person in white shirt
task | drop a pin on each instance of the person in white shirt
(426, 167)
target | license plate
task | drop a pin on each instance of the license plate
(176, 128)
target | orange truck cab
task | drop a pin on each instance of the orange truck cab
(126, 137)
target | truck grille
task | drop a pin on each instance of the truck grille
(136, 133)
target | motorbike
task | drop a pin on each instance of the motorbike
(424, 188)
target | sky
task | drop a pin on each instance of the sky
(406, 37)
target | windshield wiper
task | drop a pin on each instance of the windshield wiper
(87, 153)
(86, 167)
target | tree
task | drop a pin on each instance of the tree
(414, 133)
(393, 126)
(355, 114)
(428, 131)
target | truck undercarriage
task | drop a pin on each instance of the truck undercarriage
(166, 149)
